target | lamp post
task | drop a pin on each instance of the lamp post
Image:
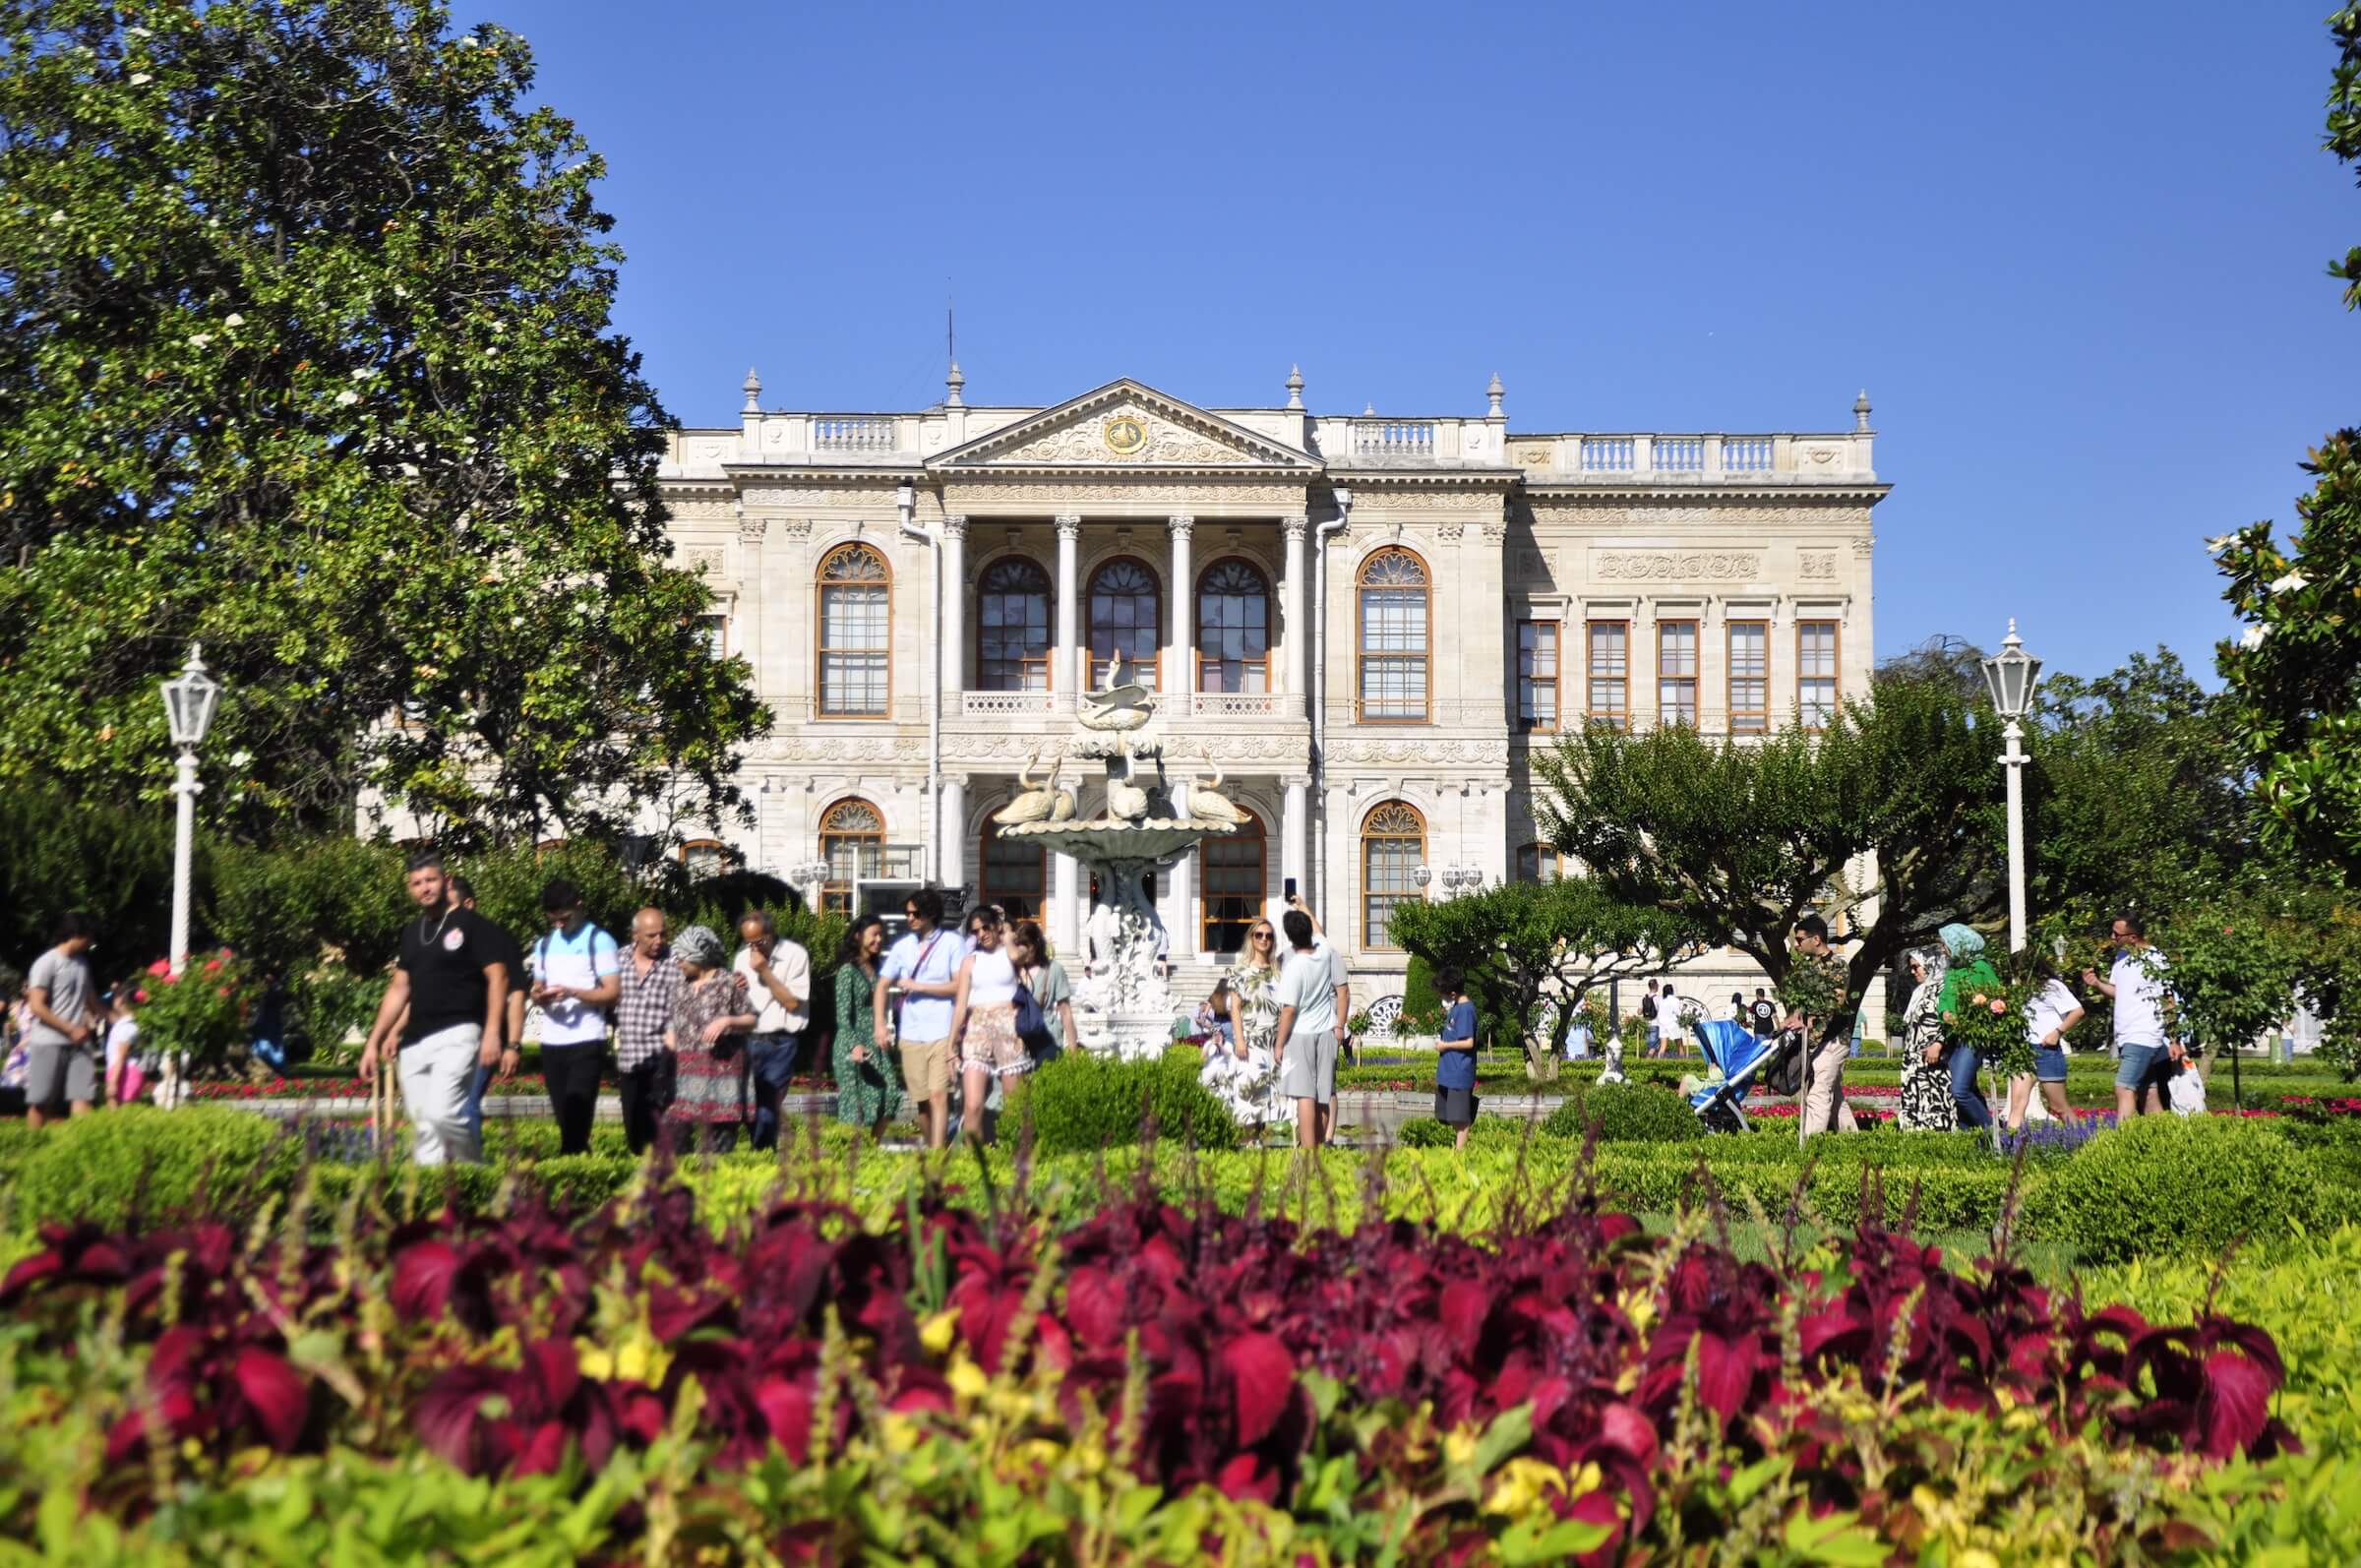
(2011, 675)
(812, 875)
(189, 712)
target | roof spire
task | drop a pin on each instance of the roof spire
(1295, 385)
(752, 388)
(1494, 393)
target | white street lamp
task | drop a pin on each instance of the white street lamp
(813, 876)
(2011, 676)
(189, 713)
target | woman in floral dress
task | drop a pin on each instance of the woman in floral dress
(708, 1039)
(868, 1087)
(1926, 1103)
(1245, 1072)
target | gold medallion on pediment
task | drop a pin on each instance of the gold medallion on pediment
(1125, 435)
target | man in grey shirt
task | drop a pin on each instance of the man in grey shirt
(1308, 1033)
(61, 1043)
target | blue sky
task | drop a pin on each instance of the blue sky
(2075, 252)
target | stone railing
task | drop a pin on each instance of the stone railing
(1247, 704)
(853, 432)
(1693, 459)
(1384, 439)
(1003, 704)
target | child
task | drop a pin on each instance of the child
(1455, 1062)
(126, 1078)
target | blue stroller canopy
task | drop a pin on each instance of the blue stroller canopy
(1737, 1053)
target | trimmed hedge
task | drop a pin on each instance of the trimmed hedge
(1084, 1102)
(140, 1163)
(1625, 1112)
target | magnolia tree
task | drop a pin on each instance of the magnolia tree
(1738, 840)
(1535, 949)
(306, 353)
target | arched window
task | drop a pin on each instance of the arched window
(1012, 626)
(1126, 611)
(852, 840)
(1015, 874)
(1234, 628)
(705, 857)
(856, 613)
(1394, 620)
(1233, 871)
(1393, 845)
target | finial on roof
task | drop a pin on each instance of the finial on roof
(1295, 385)
(1860, 410)
(1369, 410)
(753, 386)
(1496, 392)
(955, 381)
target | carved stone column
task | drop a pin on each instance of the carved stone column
(1297, 630)
(1295, 830)
(1181, 657)
(954, 606)
(1064, 666)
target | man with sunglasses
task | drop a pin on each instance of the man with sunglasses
(912, 1003)
(2147, 1057)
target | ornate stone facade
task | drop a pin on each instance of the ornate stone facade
(1339, 613)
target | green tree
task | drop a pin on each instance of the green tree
(1739, 839)
(1533, 950)
(305, 352)
(2293, 678)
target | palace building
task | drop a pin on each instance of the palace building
(1366, 625)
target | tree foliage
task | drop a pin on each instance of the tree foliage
(1531, 950)
(305, 352)
(2294, 676)
(1739, 839)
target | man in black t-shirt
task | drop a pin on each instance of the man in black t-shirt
(449, 993)
(1764, 1013)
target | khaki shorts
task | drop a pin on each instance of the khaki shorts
(926, 1067)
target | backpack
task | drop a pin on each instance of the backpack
(590, 935)
(1648, 1006)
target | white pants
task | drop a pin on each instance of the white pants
(436, 1075)
(1823, 1106)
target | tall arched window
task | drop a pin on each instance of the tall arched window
(1012, 872)
(1126, 613)
(1233, 871)
(856, 613)
(705, 857)
(1234, 628)
(1393, 845)
(1012, 626)
(852, 840)
(1394, 620)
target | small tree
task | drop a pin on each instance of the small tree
(2233, 970)
(1738, 840)
(1535, 949)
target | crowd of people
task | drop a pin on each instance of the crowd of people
(67, 1043)
(1279, 1026)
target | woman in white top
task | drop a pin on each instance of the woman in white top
(2052, 1011)
(984, 1037)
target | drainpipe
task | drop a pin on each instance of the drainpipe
(906, 502)
(1319, 689)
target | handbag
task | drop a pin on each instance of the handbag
(1031, 1026)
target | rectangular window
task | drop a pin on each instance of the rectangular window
(1816, 672)
(1676, 672)
(1538, 863)
(852, 648)
(1749, 677)
(1388, 873)
(1014, 875)
(714, 630)
(1611, 673)
(1232, 896)
(1393, 654)
(1536, 675)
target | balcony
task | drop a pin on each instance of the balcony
(1700, 459)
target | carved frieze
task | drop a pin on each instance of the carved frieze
(703, 559)
(700, 510)
(1676, 566)
(1816, 566)
(1419, 751)
(1378, 502)
(964, 487)
(1126, 432)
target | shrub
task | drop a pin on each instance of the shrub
(2178, 1184)
(329, 1003)
(1425, 1132)
(289, 906)
(1625, 1112)
(1082, 1101)
(155, 1163)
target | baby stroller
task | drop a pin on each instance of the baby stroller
(1743, 1058)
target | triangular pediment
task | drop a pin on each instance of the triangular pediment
(1125, 425)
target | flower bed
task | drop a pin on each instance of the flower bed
(1154, 1383)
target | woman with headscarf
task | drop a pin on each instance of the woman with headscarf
(708, 1039)
(1970, 972)
(1926, 1104)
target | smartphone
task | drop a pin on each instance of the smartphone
(1289, 889)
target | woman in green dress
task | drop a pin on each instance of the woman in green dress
(868, 1091)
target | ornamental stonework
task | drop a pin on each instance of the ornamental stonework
(1127, 434)
(1676, 566)
(1391, 501)
(965, 488)
(1817, 566)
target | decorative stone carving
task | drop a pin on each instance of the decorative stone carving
(1431, 501)
(1293, 529)
(700, 509)
(1068, 526)
(1374, 752)
(1538, 457)
(1449, 532)
(1864, 546)
(752, 530)
(1181, 525)
(1816, 566)
(1676, 566)
(1495, 531)
(980, 486)
(796, 529)
(954, 526)
(1128, 433)
(702, 558)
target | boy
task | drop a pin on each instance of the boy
(1455, 1061)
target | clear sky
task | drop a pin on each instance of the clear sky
(2076, 253)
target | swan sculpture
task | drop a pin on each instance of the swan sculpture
(1125, 799)
(1206, 802)
(1117, 706)
(1062, 809)
(1036, 801)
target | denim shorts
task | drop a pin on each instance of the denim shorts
(2049, 1063)
(2142, 1067)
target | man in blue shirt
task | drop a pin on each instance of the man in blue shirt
(1455, 1062)
(913, 1003)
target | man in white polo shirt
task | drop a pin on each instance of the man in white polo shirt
(2146, 1057)
(777, 976)
(578, 978)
